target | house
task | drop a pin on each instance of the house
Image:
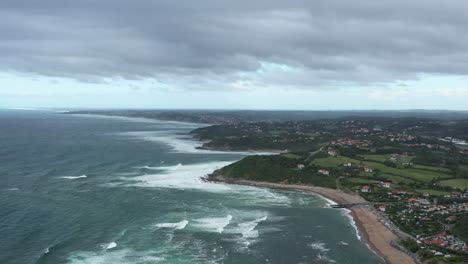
(386, 184)
(365, 188)
(347, 164)
(382, 208)
(333, 153)
(300, 166)
(451, 218)
(367, 169)
(324, 172)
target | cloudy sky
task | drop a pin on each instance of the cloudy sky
(271, 54)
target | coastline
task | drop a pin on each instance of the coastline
(253, 151)
(370, 230)
(192, 138)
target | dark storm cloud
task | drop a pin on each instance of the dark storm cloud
(352, 41)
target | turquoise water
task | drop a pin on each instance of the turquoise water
(87, 189)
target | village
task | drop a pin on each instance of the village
(429, 222)
(417, 183)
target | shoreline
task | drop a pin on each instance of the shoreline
(273, 151)
(192, 137)
(369, 228)
(136, 118)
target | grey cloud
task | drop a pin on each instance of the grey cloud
(348, 41)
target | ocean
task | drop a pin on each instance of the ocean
(89, 189)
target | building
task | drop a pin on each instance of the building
(300, 166)
(451, 218)
(386, 184)
(324, 172)
(365, 189)
(347, 164)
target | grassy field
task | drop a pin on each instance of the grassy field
(278, 132)
(380, 158)
(433, 192)
(332, 162)
(387, 147)
(415, 174)
(291, 156)
(422, 167)
(406, 158)
(457, 183)
(397, 179)
(360, 180)
(463, 170)
(313, 134)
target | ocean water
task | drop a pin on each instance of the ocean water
(88, 189)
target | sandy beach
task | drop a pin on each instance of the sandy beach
(371, 230)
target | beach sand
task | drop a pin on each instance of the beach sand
(371, 230)
(378, 236)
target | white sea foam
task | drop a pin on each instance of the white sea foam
(319, 246)
(248, 228)
(12, 189)
(74, 177)
(125, 255)
(347, 212)
(183, 144)
(109, 245)
(179, 225)
(322, 257)
(215, 224)
(329, 202)
(182, 177)
(189, 176)
(151, 259)
(255, 196)
(113, 256)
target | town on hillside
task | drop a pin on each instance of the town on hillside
(416, 179)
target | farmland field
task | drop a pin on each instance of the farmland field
(433, 192)
(457, 183)
(333, 161)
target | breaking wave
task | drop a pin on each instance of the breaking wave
(180, 225)
(74, 177)
(319, 246)
(248, 228)
(183, 144)
(109, 245)
(181, 177)
(213, 224)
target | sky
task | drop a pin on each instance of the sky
(214, 54)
